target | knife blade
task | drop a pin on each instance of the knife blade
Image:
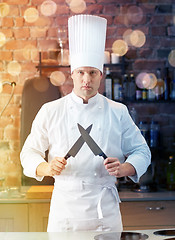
(91, 143)
(77, 145)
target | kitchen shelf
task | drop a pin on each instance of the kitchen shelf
(148, 101)
(120, 65)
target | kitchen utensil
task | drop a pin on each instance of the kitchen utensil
(77, 145)
(91, 143)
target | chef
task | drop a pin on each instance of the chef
(85, 197)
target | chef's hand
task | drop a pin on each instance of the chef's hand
(117, 169)
(54, 167)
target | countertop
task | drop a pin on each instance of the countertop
(125, 196)
(70, 235)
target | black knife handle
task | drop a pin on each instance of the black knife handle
(67, 156)
(103, 155)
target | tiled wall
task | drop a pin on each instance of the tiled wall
(156, 19)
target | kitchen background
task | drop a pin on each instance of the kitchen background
(29, 35)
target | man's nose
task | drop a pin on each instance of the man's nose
(86, 78)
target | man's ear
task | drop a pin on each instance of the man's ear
(71, 73)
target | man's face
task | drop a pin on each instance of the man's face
(86, 82)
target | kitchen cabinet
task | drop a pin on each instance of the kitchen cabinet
(38, 216)
(148, 214)
(149, 210)
(13, 218)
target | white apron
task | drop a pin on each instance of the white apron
(82, 206)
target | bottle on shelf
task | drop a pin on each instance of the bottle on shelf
(159, 88)
(171, 173)
(143, 126)
(108, 84)
(138, 95)
(172, 88)
(154, 134)
(150, 91)
(125, 86)
(117, 90)
(144, 94)
(166, 84)
(150, 95)
(131, 88)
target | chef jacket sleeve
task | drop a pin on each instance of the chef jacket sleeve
(134, 146)
(35, 146)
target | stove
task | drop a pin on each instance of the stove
(122, 236)
(168, 232)
(162, 234)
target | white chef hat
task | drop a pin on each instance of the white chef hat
(87, 36)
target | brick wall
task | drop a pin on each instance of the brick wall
(157, 23)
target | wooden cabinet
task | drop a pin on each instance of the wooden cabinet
(14, 217)
(33, 217)
(148, 214)
(38, 217)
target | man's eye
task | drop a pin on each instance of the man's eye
(80, 72)
(93, 73)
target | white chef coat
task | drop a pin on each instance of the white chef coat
(84, 196)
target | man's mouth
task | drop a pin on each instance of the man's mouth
(86, 87)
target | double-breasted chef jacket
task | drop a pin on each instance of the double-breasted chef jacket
(85, 196)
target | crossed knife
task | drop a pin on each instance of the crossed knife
(85, 137)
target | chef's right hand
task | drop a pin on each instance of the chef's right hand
(56, 166)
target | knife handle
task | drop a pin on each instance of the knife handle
(67, 156)
(103, 155)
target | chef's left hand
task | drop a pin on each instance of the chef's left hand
(117, 169)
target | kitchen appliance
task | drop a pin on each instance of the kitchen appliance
(122, 236)
(169, 232)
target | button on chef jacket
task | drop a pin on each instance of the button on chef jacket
(85, 196)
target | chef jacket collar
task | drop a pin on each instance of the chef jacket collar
(79, 100)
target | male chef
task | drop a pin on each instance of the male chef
(85, 197)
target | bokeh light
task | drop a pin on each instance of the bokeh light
(134, 14)
(120, 47)
(141, 81)
(30, 52)
(4, 9)
(77, 6)
(137, 38)
(2, 39)
(48, 8)
(14, 68)
(57, 78)
(127, 35)
(152, 80)
(31, 15)
(146, 80)
(171, 58)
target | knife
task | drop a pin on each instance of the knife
(77, 145)
(91, 143)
